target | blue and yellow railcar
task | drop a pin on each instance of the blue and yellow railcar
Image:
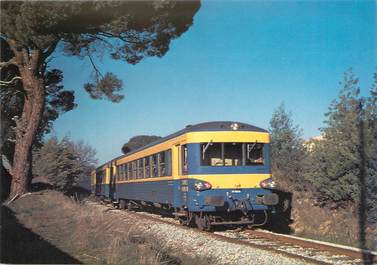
(214, 173)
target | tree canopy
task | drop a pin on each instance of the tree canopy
(34, 30)
(137, 142)
(124, 30)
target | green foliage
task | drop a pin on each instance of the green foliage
(334, 163)
(64, 163)
(286, 149)
(57, 101)
(124, 30)
(138, 141)
(371, 180)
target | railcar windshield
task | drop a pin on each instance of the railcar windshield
(232, 154)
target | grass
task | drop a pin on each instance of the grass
(82, 235)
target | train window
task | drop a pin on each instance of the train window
(211, 154)
(142, 161)
(161, 164)
(254, 154)
(154, 165)
(133, 167)
(128, 173)
(233, 154)
(140, 169)
(184, 159)
(147, 167)
(168, 163)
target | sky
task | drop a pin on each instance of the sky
(238, 61)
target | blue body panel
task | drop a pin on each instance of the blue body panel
(103, 190)
(154, 191)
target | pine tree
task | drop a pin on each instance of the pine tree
(335, 162)
(371, 180)
(286, 149)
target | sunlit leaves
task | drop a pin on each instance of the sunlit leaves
(105, 87)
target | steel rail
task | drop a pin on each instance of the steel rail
(366, 256)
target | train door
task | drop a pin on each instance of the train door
(112, 183)
(182, 187)
(99, 178)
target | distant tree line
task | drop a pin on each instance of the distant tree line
(340, 167)
(64, 163)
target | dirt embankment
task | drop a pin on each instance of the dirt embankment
(48, 227)
(332, 225)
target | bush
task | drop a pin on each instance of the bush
(64, 163)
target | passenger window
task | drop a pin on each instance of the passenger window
(147, 167)
(133, 165)
(232, 154)
(128, 168)
(254, 154)
(168, 162)
(211, 154)
(184, 159)
(140, 169)
(161, 164)
(154, 166)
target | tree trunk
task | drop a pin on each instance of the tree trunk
(27, 125)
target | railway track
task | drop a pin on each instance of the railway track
(306, 250)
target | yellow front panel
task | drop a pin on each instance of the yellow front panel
(226, 137)
(232, 181)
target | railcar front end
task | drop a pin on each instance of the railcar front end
(226, 179)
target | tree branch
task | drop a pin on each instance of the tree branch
(35, 60)
(12, 61)
(49, 50)
(5, 83)
(98, 72)
(110, 35)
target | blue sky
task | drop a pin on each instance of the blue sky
(238, 61)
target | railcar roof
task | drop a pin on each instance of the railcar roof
(200, 127)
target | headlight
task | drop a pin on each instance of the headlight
(202, 185)
(268, 183)
(234, 126)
